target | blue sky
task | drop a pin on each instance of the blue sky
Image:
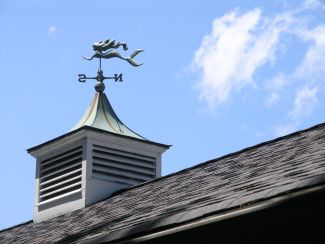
(217, 77)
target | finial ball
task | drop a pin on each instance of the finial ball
(100, 86)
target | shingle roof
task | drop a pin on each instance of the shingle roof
(253, 174)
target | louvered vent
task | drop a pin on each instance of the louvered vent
(60, 175)
(121, 166)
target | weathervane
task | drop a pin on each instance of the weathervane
(103, 49)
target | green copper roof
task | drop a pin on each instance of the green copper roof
(101, 115)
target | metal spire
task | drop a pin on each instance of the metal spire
(100, 113)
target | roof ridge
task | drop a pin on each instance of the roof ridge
(17, 225)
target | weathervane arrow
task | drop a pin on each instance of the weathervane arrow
(103, 49)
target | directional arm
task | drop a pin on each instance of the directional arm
(100, 77)
(83, 78)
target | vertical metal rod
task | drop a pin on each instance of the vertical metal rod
(100, 63)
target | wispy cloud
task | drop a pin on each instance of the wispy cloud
(312, 66)
(274, 86)
(241, 43)
(313, 4)
(305, 100)
(284, 129)
(278, 82)
(51, 31)
(272, 99)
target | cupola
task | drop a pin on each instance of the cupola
(98, 157)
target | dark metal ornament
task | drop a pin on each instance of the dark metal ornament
(100, 48)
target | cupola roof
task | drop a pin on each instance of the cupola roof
(101, 115)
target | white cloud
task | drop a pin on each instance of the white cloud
(221, 54)
(237, 46)
(305, 100)
(285, 129)
(241, 43)
(312, 66)
(51, 30)
(278, 82)
(312, 74)
(313, 4)
(259, 134)
(272, 99)
(275, 86)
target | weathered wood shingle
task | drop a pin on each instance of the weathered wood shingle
(253, 174)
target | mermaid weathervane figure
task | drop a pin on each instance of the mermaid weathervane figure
(103, 49)
(102, 46)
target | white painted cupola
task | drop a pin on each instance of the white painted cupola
(98, 157)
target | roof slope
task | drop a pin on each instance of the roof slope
(253, 174)
(101, 115)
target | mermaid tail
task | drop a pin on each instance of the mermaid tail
(115, 54)
(135, 53)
